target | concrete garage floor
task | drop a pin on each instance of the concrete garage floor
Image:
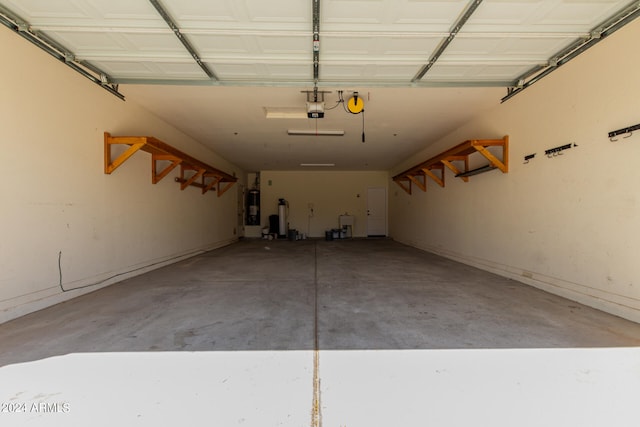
(395, 328)
(260, 295)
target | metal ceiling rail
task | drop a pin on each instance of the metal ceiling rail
(316, 41)
(446, 42)
(608, 27)
(163, 13)
(23, 29)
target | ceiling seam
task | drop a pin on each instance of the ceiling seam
(305, 33)
(304, 82)
(471, 8)
(176, 30)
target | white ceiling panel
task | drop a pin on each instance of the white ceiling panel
(298, 72)
(507, 48)
(130, 69)
(277, 11)
(579, 14)
(45, 10)
(298, 45)
(465, 72)
(86, 12)
(376, 73)
(257, 72)
(112, 43)
(120, 10)
(195, 13)
(401, 46)
(249, 37)
(179, 70)
(542, 15)
(349, 45)
(239, 72)
(390, 15)
(137, 69)
(336, 72)
(497, 72)
(153, 42)
(250, 48)
(207, 44)
(392, 47)
(91, 41)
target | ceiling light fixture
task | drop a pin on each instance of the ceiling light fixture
(313, 132)
(285, 113)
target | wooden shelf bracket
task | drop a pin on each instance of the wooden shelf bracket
(155, 158)
(456, 159)
(429, 172)
(420, 183)
(405, 184)
(170, 158)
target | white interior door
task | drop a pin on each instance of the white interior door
(376, 212)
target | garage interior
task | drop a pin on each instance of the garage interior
(351, 204)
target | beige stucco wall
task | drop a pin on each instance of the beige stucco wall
(61, 215)
(330, 193)
(568, 224)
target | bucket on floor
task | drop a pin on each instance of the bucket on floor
(293, 233)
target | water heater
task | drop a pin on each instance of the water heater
(253, 207)
(282, 217)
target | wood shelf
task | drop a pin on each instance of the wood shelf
(193, 172)
(455, 159)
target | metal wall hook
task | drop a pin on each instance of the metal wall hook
(558, 151)
(625, 132)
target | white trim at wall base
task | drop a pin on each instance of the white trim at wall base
(53, 295)
(627, 308)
